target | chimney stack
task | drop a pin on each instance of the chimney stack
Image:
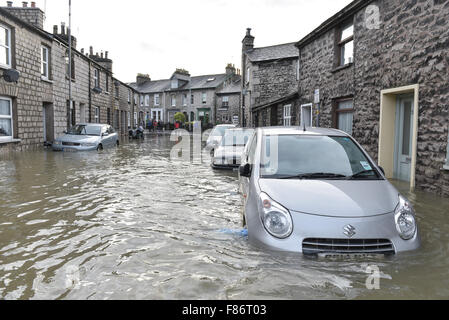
(91, 51)
(63, 28)
(55, 29)
(248, 41)
(106, 55)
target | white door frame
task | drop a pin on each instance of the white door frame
(308, 105)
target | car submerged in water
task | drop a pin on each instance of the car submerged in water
(317, 192)
(87, 137)
(216, 135)
(228, 154)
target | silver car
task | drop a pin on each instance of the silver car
(229, 153)
(316, 191)
(216, 135)
(87, 137)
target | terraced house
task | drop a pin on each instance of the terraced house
(34, 83)
(200, 98)
(269, 83)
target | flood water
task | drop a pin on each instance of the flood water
(129, 224)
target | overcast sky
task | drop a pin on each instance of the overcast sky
(202, 36)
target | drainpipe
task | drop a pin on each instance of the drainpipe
(90, 92)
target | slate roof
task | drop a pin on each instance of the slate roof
(281, 51)
(234, 87)
(196, 83)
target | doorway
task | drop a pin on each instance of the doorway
(306, 115)
(48, 123)
(403, 138)
(398, 133)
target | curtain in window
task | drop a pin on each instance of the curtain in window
(345, 122)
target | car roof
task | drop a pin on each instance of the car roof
(302, 131)
(240, 129)
(93, 124)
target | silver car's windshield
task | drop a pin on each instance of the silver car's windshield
(314, 157)
(220, 131)
(85, 130)
(236, 138)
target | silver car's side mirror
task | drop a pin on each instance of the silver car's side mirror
(245, 170)
(105, 134)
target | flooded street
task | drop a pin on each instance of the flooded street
(129, 224)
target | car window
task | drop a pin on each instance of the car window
(289, 155)
(111, 130)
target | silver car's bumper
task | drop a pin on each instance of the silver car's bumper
(320, 234)
(73, 148)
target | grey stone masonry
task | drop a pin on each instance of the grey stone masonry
(396, 44)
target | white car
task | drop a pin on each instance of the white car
(229, 154)
(216, 135)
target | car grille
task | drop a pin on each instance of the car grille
(70, 144)
(367, 246)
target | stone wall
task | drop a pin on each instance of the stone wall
(410, 46)
(229, 112)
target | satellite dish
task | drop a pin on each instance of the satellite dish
(11, 75)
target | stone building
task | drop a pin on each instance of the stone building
(195, 96)
(34, 83)
(379, 71)
(269, 83)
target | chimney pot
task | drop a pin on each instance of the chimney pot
(33, 4)
(9, 4)
(82, 51)
(106, 54)
(248, 31)
(25, 4)
(91, 50)
(55, 29)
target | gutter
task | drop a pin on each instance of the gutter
(336, 19)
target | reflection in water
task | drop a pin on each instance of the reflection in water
(130, 224)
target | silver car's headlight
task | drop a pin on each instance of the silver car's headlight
(57, 143)
(405, 219)
(275, 218)
(88, 144)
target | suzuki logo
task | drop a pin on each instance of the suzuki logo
(349, 231)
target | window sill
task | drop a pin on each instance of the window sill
(46, 80)
(346, 66)
(15, 141)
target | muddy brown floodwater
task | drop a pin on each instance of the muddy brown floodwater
(129, 224)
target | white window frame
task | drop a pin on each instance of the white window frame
(129, 118)
(45, 62)
(141, 100)
(173, 101)
(225, 99)
(248, 72)
(8, 47)
(136, 99)
(204, 98)
(184, 100)
(135, 119)
(147, 100)
(97, 78)
(97, 115)
(288, 115)
(10, 117)
(157, 100)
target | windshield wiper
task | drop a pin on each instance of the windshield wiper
(363, 174)
(319, 175)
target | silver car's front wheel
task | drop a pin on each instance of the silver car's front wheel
(100, 147)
